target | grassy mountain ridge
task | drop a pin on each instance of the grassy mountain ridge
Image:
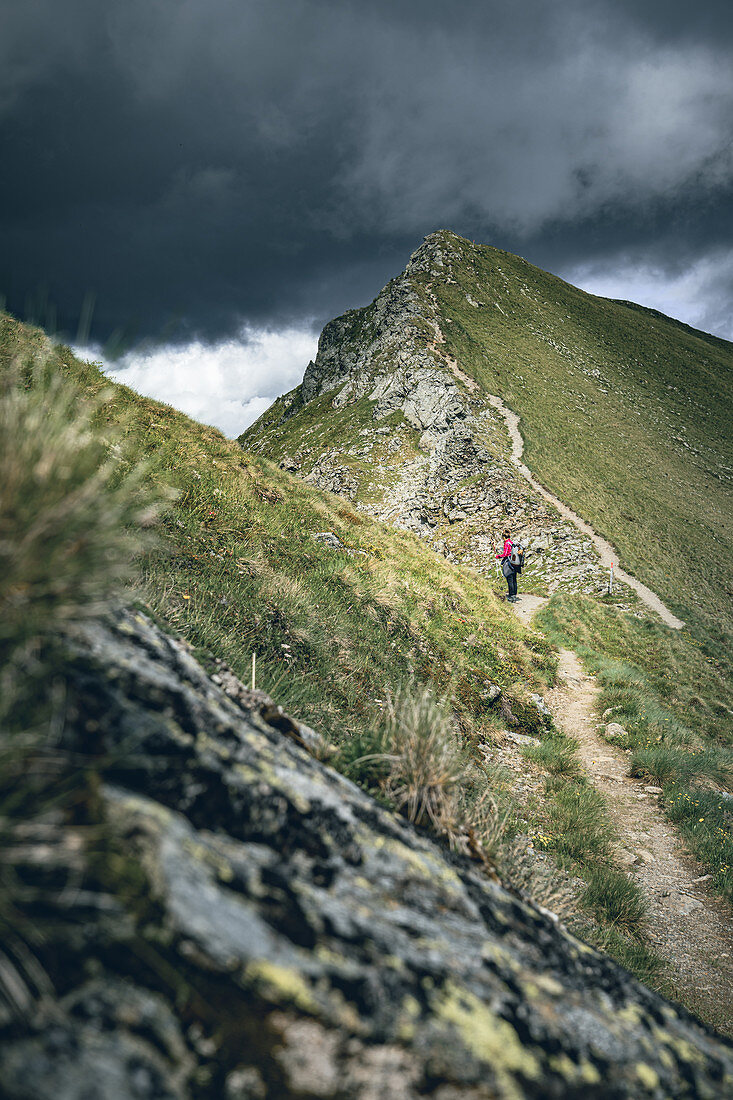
(625, 413)
(625, 416)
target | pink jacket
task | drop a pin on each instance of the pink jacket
(507, 549)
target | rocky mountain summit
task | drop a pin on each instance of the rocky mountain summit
(222, 915)
(386, 417)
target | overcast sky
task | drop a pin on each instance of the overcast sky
(201, 184)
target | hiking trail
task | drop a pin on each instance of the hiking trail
(686, 926)
(608, 555)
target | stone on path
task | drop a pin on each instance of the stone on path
(615, 733)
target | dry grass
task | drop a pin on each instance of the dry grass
(427, 760)
(537, 878)
(421, 764)
(67, 511)
(390, 597)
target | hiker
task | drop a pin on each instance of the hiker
(512, 559)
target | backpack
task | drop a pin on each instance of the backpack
(515, 558)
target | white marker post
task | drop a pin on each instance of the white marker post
(610, 580)
(254, 658)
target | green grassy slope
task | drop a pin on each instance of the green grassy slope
(625, 413)
(317, 427)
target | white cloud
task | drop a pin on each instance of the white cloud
(228, 384)
(699, 295)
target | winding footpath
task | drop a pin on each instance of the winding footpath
(685, 926)
(608, 555)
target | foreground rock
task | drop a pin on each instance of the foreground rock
(249, 924)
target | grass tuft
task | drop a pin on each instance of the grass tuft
(665, 764)
(578, 822)
(614, 898)
(67, 511)
(417, 758)
(557, 754)
(705, 819)
(631, 953)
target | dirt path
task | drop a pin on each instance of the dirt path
(686, 926)
(608, 555)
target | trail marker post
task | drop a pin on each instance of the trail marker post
(610, 580)
(254, 659)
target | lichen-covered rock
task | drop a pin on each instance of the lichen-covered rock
(110, 1040)
(275, 933)
(329, 539)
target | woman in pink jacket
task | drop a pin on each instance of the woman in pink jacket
(509, 571)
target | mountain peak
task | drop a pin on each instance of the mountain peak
(436, 252)
(396, 413)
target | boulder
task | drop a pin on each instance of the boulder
(541, 705)
(328, 538)
(521, 738)
(492, 693)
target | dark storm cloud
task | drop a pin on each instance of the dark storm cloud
(199, 163)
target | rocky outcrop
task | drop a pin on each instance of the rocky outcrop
(386, 352)
(353, 349)
(222, 915)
